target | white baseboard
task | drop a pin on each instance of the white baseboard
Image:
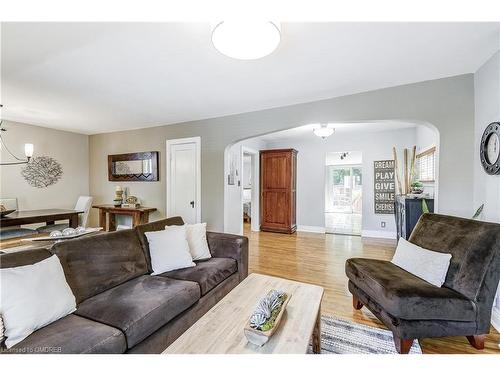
(378, 234)
(309, 228)
(364, 233)
(495, 318)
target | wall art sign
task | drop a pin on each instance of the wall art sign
(42, 171)
(384, 186)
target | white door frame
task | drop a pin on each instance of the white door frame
(255, 216)
(178, 141)
(344, 166)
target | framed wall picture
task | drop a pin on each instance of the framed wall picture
(136, 166)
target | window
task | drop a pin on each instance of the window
(426, 165)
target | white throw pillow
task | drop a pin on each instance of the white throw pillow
(32, 297)
(169, 249)
(197, 240)
(431, 266)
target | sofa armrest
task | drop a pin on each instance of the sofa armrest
(223, 245)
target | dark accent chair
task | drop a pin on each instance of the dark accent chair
(411, 307)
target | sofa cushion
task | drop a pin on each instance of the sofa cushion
(169, 249)
(431, 266)
(32, 297)
(472, 244)
(73, 334)
(208, 273)
(99, 262)
(223, 245)
(406, 296)
(153, 227)
(23, 258)
(140, 306)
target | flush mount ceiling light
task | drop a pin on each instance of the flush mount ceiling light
(245, 40)
(323, 130)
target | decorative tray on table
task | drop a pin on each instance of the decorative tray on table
(267, 316)
(66, 235)
(4, 213)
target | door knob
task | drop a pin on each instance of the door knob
(192, 204)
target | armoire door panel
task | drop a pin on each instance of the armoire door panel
(276, 169)
(275, 208)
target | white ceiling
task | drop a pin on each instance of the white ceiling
(302, 132)
(101, 77)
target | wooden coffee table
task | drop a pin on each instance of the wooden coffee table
(220, 330)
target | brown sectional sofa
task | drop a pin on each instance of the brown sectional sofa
(121, 308)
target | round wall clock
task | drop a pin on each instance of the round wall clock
(490, 148)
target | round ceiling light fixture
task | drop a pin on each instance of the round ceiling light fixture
(246, 40)
(323, 130)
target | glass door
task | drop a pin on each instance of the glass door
(343, 203)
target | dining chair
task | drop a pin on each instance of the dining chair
(10, 204)
(84, 204)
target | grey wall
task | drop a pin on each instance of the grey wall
(311, 161)
(247, 172)
(487, 104)
(234, 193)
(486, 187)
(425, 139)
(446, 103)
(69, 149)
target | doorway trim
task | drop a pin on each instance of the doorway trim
(255, 201)
(168, 157)
(351, 167)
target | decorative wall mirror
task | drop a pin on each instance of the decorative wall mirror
(490, 149)
(137, 166)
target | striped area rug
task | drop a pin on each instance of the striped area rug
(342, 337)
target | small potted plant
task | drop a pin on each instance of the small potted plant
(266, 317)
(417, 187)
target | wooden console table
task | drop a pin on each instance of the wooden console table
(140, 215)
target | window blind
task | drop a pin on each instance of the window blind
(426, 165)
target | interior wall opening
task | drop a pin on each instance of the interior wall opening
(344, 192)
(364, 143)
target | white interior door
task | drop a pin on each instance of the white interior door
(183, 185)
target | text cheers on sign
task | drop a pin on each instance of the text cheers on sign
(384, 186)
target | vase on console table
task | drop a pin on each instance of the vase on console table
(117, 202)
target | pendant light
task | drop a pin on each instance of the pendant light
(28, 149)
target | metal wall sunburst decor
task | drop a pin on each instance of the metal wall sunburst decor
(42, 171)
(489, 149)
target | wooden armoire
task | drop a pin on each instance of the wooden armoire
(278, 182)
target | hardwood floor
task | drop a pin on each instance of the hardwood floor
(319, 259)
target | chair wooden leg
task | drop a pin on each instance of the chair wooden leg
(402, 345)
(477, 341)
(356, 303)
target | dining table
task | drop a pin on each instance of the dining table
(47, 216)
